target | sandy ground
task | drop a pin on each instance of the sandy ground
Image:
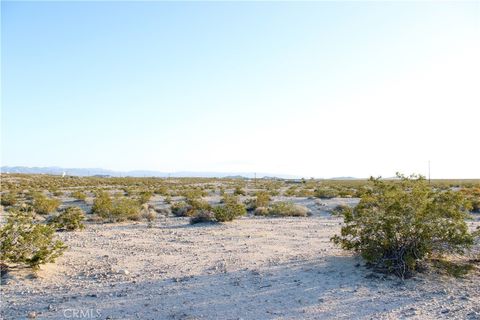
(251, 268)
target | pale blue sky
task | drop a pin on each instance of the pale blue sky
(316, 89)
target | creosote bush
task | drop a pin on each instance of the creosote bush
(231, 209)
(22, 241)
(287, 209)
(238, 191)
(325, 193)
(79, 195)
(70, 219)
(8, 199)
(199, 204)
(117, 209)
(125, 208)
(103, 204)
(262, 199)
(162, 190)
(145, 197)
(44, 205)
(398, 225)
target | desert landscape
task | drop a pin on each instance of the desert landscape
(239, 160)
(254, 267)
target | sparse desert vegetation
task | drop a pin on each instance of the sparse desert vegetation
(197, 160)
(131, 238)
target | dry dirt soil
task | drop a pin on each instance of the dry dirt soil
(251, 268)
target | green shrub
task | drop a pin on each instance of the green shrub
(288, 209)
(274, 192)
(230, 210)
(70, 219)
(44, 205)
(199, 204)
(168, 200)
(8, 199)
(476, 205)
(145, 197)
(24, 242)
(161, 190)
(291, 192)
(473, 196)
(128, 192)
(262, 199)
(304, 192)
(325, 193)
(238, 191)
(346, 193)
(116, 209)
(102, 204)
(79, 195)
(193, 193)
(398, 225)
(123, 209)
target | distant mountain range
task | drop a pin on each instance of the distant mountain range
(84, 172)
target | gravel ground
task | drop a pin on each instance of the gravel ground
(251, 268)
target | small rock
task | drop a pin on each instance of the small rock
(444, 311)
(32, 315)
(124, 272)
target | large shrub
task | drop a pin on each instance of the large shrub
(79, 195)
(44, 205)
(145, 197)
(262, 199)
(8, 199)
(70, 219)
(325, 193)
(117, 209)
(231, 209)
(288, 209)
(239, 191)
(162, 190)
(199, 204)
(473, 196)
(24, 242)
(103, 204)
(124, 208)
(398, 225)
